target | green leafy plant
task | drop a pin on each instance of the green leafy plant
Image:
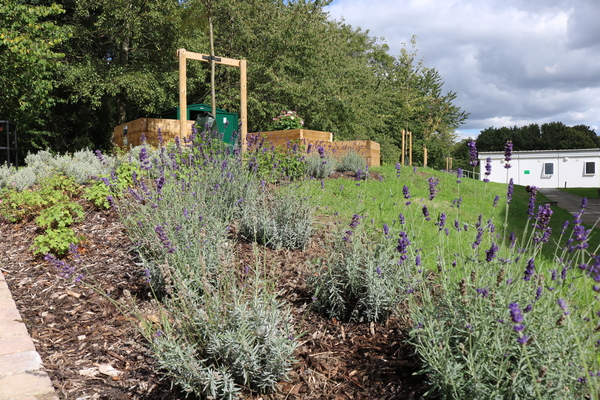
(97, 194)
(287, 120)
(55, 241)
(60, 215)
(18, 206)
(274, 164)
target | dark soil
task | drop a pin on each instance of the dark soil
(76, 330)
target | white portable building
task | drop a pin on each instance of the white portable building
(545, 168)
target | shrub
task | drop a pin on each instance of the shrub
(320, 167)
(362, 279)
(352, 162)
(278, 221)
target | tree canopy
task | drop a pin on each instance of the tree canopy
(106, 62)
(548, 136)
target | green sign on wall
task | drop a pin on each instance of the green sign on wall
(526, 172)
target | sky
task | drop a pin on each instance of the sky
(511, 62)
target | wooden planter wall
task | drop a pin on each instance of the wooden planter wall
(149, 127)
(367, 148)
(170, 129)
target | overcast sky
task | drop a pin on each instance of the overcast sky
(511, 62)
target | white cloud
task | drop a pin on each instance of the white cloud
(511, 62)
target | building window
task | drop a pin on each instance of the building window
(548, 168)
(590, 168)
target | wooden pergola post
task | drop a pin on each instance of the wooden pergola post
(184, 55)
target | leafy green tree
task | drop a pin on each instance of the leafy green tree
(28, 57)
(550, 136)
(119, 65)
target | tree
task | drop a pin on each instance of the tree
(28, 40)
(119, 65)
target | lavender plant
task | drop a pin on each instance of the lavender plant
(363, 278)
(351, 161)
(218, 332)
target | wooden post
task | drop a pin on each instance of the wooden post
(450, 163)
(424, 156)
(181, 53)
(243, 104)
(403, 146)
(241, 64)
(410, 149)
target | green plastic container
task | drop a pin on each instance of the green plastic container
(227, 123)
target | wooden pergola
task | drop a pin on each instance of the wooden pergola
(184, 55)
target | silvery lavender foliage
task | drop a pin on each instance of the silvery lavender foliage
(278, 221)
(361, 279)
(320, 167)
(180, 215)
(351, 161)
(473, 153)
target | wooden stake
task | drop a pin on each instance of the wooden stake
(410, 149)
(243, 104)
(403, 146)
(182, 92)
(424, 156)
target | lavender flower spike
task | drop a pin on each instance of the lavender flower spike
(509, 191)
(473, 153)
(488, 169)
(508, 149)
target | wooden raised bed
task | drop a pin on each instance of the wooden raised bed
(367, 148)
(130, 134)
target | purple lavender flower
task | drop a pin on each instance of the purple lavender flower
(541, 223)
(565, 226)
(386, 229)
(484, 292)
(509, 191)
(532, 195)
(538, 293)
(147, 275)
(441, 221)
(563, 304)
(512, 239)
(473, 153)
(162, 236)
(517, 317)
(488, 169)
(457, 202)
(355, 221)
(459, 175)
(321, 151)
(405, 192)
(433, 182)
(100, 157)
(378, 270)
(418, 260)
(403, 244)
(528, 308)
(477, 241)
(401, 218)
(426, 213)
(348, 236)
(529, 270)
(508, 149)
(491, 253)
(398, 168)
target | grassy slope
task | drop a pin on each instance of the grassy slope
(383, 202)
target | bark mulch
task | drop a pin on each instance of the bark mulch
(79, 332)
